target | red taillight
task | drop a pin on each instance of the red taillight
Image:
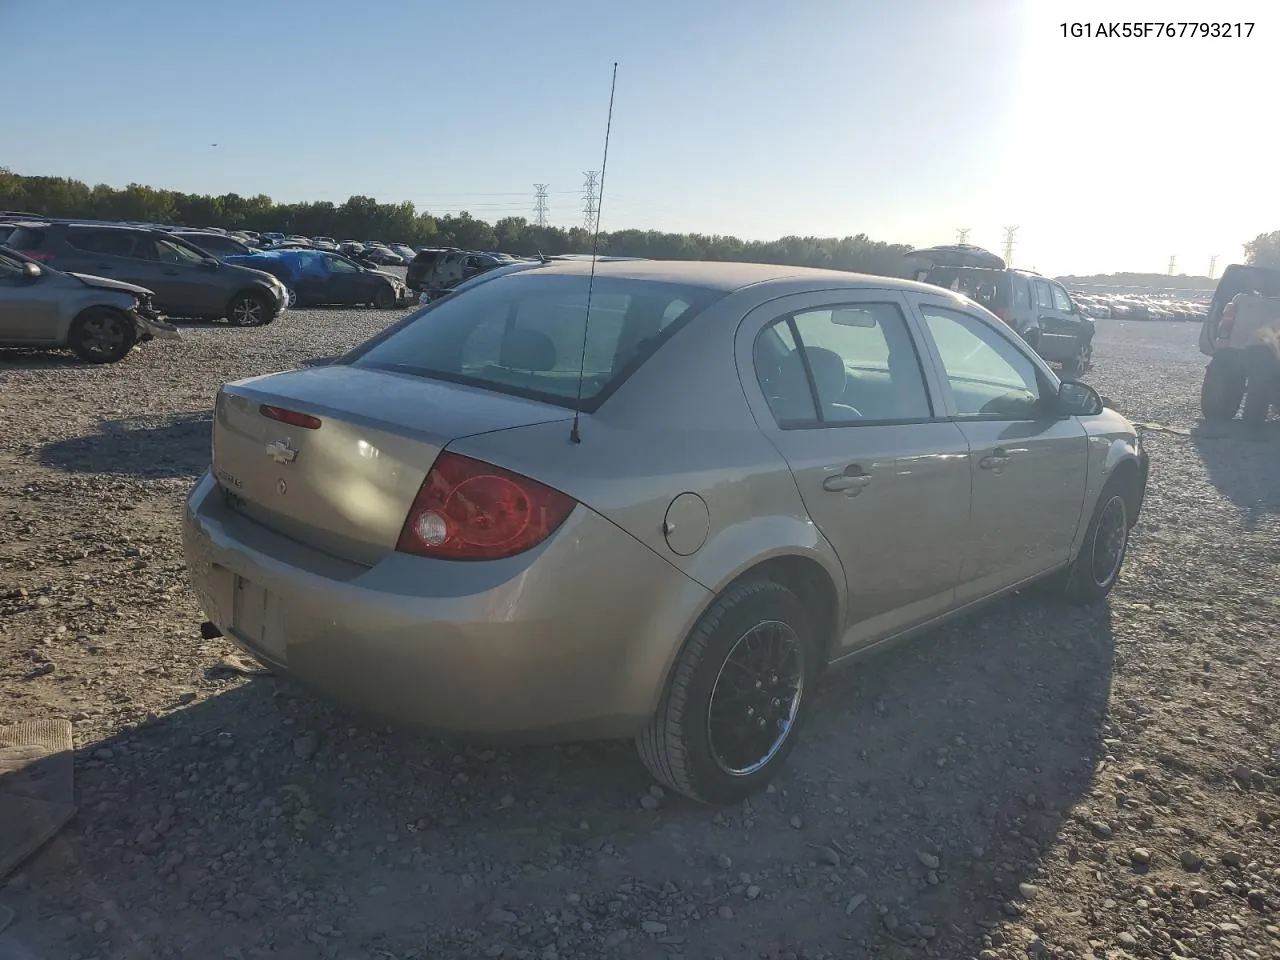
(291, 417)
(470, 510)
(37, 255)
(1227, 322)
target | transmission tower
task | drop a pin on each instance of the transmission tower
(590, 202)
(540, 205)
(962, 235)
(1213, 265)
(1173, 262)
(1009, 233)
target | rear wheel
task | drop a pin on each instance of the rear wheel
(101, 335)
(292, 297)
(740, 688)
(385, 298)
(1260, 385)
(1222, 390)
(249, 309)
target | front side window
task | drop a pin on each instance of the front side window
(339, 265)
(988, 375)
(524, 335)
(177, 253)
(1061, 301)
(857, 359)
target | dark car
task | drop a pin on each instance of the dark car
(1039, 309)
(314, 277)
(219, 245)
(435, 271)
(383, 256)
(186, 281)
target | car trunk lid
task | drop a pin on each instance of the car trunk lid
(333, 456)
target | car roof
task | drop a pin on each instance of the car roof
(728, 275)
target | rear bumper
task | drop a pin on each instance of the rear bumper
(572, 639)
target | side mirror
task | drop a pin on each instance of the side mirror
(31, 272)
(209, 263)
(1076, 399)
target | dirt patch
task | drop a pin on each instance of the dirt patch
(1033, 781)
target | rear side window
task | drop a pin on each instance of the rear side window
(858, 358)
(25, 238)
(1021, 293)
(524, 335)
(110, 243)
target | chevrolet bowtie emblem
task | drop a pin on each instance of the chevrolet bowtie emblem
(281, 452)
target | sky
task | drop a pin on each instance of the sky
(906, 120)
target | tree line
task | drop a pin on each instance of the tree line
(364, 218)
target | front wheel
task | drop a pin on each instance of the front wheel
(249, 310)
(291, 297)
(385, 298)
(1096, 567)
(738, 691)
(100, 335)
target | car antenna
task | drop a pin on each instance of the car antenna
(575, 435)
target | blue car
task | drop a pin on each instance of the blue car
(316, 277)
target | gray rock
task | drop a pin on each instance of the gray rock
(498, 915)
(1100, 829)
(1140, 856)
(1232, 858)
(753, 892)
(653, 927)
(929, 861)
(305, 746)
(857, 900)
(1191, 861)
(1028, 891)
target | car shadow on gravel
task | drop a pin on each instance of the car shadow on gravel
(931, 782)
(1243, 463)
(159, 446)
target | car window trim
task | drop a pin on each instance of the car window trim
(1045, 376)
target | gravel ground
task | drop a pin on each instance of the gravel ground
(1033, 781)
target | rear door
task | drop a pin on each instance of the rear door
(115, 253)
(842, 394)
(1028, 467)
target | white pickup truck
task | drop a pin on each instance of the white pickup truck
(1241, 335)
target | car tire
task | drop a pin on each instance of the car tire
(385, 298)
(101, 335)
(291, 300)
(249, 309)
(1097, 566)
(1079, 363)
(1221, 391)
(1260, 385)
(701, 758)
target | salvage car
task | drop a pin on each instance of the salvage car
(1241, 336)
(187, 282)
(316, 277)
(749, 474)
(216, 245)
(99, 319)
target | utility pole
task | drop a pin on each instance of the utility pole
(540, 205)
(590, 202)
(1173, 261)
(962, 235)
(1213, 265)
(1009, 233)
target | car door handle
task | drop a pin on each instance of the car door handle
(850, 484)
(994, 460)
(102, 266)
(170, 271)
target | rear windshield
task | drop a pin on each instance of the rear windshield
(524, 335)
(25, 238)
(989, 288)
